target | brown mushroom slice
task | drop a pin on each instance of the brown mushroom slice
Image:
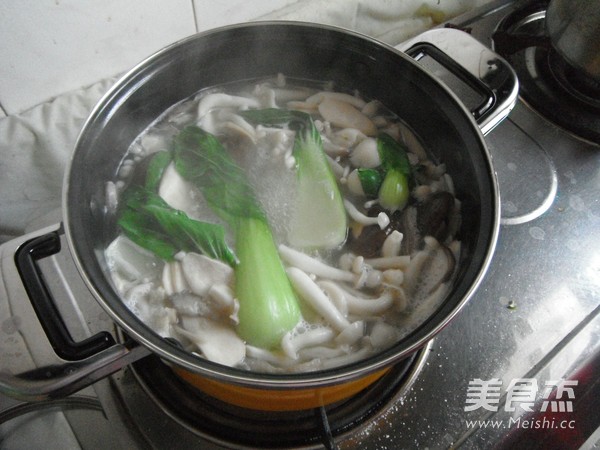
(409, 227)
(433, 215)
(369, 243)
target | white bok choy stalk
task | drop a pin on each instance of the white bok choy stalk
(268, 307)
(319, 217)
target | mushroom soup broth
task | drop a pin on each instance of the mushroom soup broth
(282, 226)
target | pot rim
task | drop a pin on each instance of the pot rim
(406, 346)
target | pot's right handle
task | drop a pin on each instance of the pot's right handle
(480, 68)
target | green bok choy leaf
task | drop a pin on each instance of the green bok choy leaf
(151, 223)
(394, 191)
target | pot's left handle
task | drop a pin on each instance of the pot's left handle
(86, 361)
(64, 346)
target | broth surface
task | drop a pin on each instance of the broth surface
(358, 294)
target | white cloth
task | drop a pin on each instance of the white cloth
(390, 21)
(35, 148)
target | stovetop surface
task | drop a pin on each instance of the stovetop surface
(535, 319)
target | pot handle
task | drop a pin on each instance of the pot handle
(85, 362)
(482, 70)
(45, 308)
(58, 381)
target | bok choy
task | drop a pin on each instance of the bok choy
(394, 190)
(151, 223)
(319, 218)
(268, 305)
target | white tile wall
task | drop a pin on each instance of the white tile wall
(48, 47)
(216, 13)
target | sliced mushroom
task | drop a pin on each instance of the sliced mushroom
(348, 137)
(179, 193)
(322, 353)
(189, 304)
(309, 108)
(365, 154)
(219, 100)
(217, 342)
(343, 114)
(265, 95)
(287, 95)
(371, 108)
(333, 149)
(223, 298)
(322, 96)
(173, 279)
(239, 131)
(412, 235)
(369, 241)
(412, 142)
(131, 261)
(202, 272)
(347, 358)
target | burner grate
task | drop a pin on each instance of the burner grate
(547, 82)
(573, 81)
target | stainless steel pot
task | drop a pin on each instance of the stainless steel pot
(574, 30)
(452, 133)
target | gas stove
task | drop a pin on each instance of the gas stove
(518, 366)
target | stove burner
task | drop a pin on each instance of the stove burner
(548, 83)
(578, 84)
(231, 425)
